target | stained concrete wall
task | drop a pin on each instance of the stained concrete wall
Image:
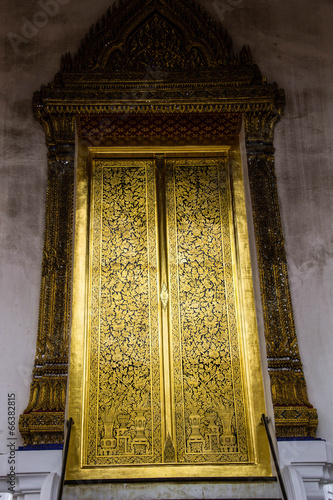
(292, 43)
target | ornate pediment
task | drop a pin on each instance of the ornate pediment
(154, 56)
(159, 34)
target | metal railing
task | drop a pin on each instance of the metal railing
(265, 421)
(69, 424)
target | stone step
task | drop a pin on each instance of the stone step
(174, 490)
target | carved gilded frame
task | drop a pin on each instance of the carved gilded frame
(109, 84)
(257, 463)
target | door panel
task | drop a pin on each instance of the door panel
(123, 396)
(165, 372)
(210, 414)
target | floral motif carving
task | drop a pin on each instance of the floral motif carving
(115, 104)
(124, 403)
(159, 45)
(201, 269)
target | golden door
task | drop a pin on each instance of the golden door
(163, 384)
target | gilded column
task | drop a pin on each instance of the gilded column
(43, 420)
(294, 415)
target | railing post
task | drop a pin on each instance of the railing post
(276, 462)
(69, 424)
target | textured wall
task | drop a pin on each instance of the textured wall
(291, 42)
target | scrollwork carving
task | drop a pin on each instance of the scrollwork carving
(173, 101)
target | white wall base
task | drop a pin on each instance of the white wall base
(36, 474)
(306, 467)
(313, 460)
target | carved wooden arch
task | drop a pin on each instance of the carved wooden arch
(157, 63)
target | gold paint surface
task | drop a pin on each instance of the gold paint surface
(117, 98)
(123, 399)
(209, 396)
(165, 377)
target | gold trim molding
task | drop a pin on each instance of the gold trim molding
(111, 85)
(177, 447)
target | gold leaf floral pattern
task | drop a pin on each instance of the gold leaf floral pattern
(124, 399)
(210, 412)
(124, 395)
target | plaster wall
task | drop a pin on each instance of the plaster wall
(291, 41)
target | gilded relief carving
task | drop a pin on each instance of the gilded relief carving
(288, 384)
(209, 392)
(43, 419)
(124, 392)
(124, 400)
(148, 48)
(115, 96)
